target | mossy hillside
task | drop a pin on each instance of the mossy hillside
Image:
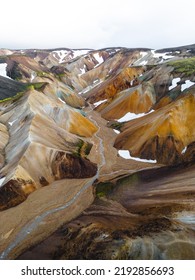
(26, 87)
(185, 66)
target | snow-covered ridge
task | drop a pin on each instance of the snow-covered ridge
(146, 57)
(65, 55)
(161, 55)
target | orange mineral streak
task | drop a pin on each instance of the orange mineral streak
(135, 103)
(138, 99)
(120, 81)
(85, 128)
(163, 102)
(175, 120)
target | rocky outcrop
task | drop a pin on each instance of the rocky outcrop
(40, 146)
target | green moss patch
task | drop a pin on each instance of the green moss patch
(13, 98)
(186, 66)
(104, 188)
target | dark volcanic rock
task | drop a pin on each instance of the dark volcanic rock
(9, 88)
(72, 166)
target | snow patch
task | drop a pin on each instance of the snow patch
(143, 62)
(97, 81)
(116, 131)
(174, 83)
(82, 71)
(143, 54)
(33, 75)
(184, 150)
(80, 52)
(140, 61)
(187, 84)
(3, 70)
(88, 88)
(131, 116)
(126, 154)
(99, 102)
(61, 55)
(12, 122)
(161, 55)
(2, 180)
(98, 58)
(61, 100)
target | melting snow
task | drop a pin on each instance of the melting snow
(82, 71)
(61, 100)
(2, 180)
(33, 75)
(90, 86)
(143, 62)
(12, 122)
(140, 61)
(184, 150)
(126, 154)
(100, 102)
(96, 81)
(174, 83)
(3, 70)
(98, 58)
(116, 131)
(61, 55)
(131, 116)
(80, 52)
(143, 54)
(163, 55)
(187, 84)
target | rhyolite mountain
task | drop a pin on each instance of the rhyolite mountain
(97, 153)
